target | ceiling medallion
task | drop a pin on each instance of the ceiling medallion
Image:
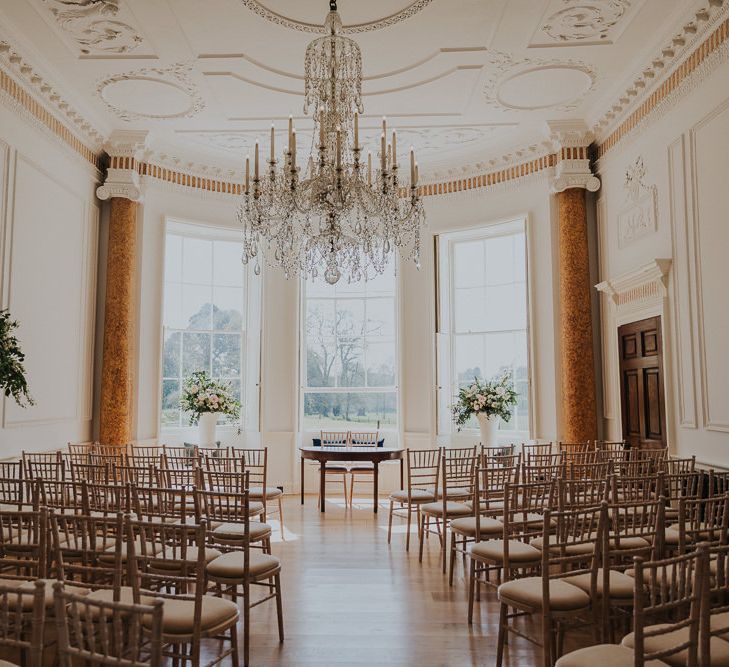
(171, 88)
(95, 25)
(522, 84)
(338, 214)
(287, 22)
(585, 19)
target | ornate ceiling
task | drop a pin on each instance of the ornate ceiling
(467, 82)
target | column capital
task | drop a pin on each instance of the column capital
(125, 149)
(571, 140)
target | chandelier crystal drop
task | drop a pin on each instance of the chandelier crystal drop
(341, 213)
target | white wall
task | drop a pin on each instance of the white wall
(280, 326)
(686, 155)
(49, 219)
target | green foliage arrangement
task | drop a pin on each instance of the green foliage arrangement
(493, 397)
(12, 371)
(201, 394)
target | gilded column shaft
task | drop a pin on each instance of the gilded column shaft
(578, 368)
(116, 378)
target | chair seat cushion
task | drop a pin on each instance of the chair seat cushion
(528, 592)
(576, 549)
(30, 586)
(493, 551)
(603, 655)
(178, 616)
(236, 531)
(416, 496)
(231, 565)
(108, 555)
(169, 558)
(621, 585)
(452, 509)
(625, 541)
(270, 492)
(361, 466)
(126, 595)
(467, 526)
(718, 649)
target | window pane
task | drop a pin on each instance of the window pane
(170, 403)
(468, 264)
(173, 258)
(350, 317)
(319, 320)
(195, 353)
(380, 317)
(171, 354)
(350, 355)
(197, 261)
(321, 362)
(226, 355)
(173, 317)
(380, 364)
(470, 310)
(196, 310)
(348, 410)
(228, 304)
(227, 265)
(499, 260)
(470, 358)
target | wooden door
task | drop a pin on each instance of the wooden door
(641, 383)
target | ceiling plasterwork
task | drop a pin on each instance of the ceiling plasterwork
(530, 84)
(152, 93)
(584, 22)
(302, 26)
(96, 27)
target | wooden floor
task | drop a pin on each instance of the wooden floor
(350, 599)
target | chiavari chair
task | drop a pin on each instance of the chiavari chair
(642, 467)
(581, 492)
(488, 490)
(23, 544)
(225, 514)
(212, 452)
(517, 551)
(143, 461)
(62, 496)
(597, 470)
(657, 456)
(676, 466)
(112, 451)
(700, 520)
(667, 600)
(152, 451)
(634, 489)
(168, 561)
(423, 477)
(570, 449)
(138, 475)
(182, 452)
(506, 461)
(106, 499)
(336, 470)
(583, 458)
(540, 460)
(568, 548)
(22, 621)
(361, 471)
(79, 453)
(174, 478)
(612, 451)
(255, 462)
(715, 608)
(240, 569)
(91, 472)
(497, 451)
(121, 633)
(677, 485)
(227, 464)
(457, 474)
(537, 473)
(180, 463)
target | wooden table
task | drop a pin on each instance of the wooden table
(374, 455)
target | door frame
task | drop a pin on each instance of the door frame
(635, 296)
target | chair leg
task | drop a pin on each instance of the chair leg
(279, 607)
(389, 523)
(246, 623)
(280, 518)
(351, 489)
(444, 545)
(234, 645)
(452, 559)
(471, 587)
(407, 534)
(547, 641)
(422, 538)
(502, 635)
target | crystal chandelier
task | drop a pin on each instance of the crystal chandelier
(341, 214)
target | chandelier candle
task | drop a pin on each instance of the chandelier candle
(329, 218)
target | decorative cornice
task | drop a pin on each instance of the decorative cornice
(571, 140)
(668, 77)
(649, 281)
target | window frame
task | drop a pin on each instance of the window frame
(445, 333)
(251, 317)
(388, 429)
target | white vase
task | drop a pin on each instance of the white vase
(489, 428)
(206, 429)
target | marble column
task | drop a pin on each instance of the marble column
(116, 375)
(578, 367)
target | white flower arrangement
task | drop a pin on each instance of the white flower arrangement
(201, 394)
(493, 397)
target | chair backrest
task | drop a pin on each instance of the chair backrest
(537, 473)
(598, 470)
(575, 492)
(92, 472)
(718, 483)
(180, 452)
(611, 445)
(215, 480)
(637, 529)
(423, 469)
(458, 469)
(497, 451)
(152, 451)
(24, 543)
(703, 520)
(44, 466)
(656, 455)
(176, 478)
(180, 462)
(57, 494)
(667, 607)
(203, 452)
(569, 448)
(17, 631)
(583, 458)
(143, 460)
(333, 438)
(130, 635)
(226, 514)
(634, 489)
(364, 438)
(87, 550)
(113, 451)
(715, 607)
(640, 467)
(255, 462)
(141, 475)
(105, 500)
(677, 485)
(13, 487)
(675, 466)
(223, 464)
(544, 460)
(540, 449)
